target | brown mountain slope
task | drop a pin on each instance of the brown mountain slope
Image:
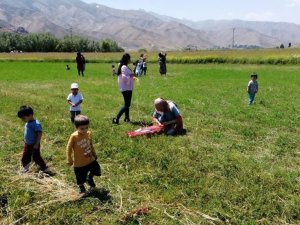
(133, 29)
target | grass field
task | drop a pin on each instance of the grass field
(236, 165)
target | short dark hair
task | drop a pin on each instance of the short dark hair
(254, 75)
(25, 111)
(81, 120)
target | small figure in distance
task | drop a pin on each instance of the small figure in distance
(68, 67)
(145, 66)
(32, 140)
(167, 114)
(252, 88)
(81, 154)
(80, 60)
(113, 70)
(134, 67)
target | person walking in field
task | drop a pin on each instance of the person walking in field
(145, 66)
(252, 88)
(168, 115)
(126, 83)
(74, 99)
(162, 60)
(81, 154)
(32, 140)
(80, 60)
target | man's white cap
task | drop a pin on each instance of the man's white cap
(74, 86)
(158, 101)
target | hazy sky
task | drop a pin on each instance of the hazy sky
(257, 10)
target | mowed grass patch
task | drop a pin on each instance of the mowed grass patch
(236, 165)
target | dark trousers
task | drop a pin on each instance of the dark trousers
(29, 154)
(144, 70)
(127, 102)
(81, 173)
(73, 114)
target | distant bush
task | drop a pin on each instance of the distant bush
(142, 50)
(46, 42)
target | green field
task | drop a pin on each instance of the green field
(236, 165)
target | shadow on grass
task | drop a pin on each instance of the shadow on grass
(3, 205)
(100, 193)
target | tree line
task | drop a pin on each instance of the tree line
(47, 42)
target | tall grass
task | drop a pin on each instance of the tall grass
(258, 56)
(237, 164)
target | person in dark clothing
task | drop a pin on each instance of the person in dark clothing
(80, 60)
(162, 63)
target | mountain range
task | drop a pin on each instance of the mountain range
(135, 29)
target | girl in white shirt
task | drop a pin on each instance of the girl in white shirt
(125, 82)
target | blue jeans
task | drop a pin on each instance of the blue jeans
(251, 98)
(127, 102)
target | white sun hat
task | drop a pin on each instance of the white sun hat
(74, 86)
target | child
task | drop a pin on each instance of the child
(252, 88)
(134, 67)
(114, 72)
(167, 114)
(74, 99)
(32, 140)
(81, 154)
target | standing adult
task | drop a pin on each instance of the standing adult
(125, 82)
(80, 60)
(162, 63)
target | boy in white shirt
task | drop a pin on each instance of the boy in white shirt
(74, 99)
(252, 88)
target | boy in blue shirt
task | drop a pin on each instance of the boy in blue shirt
(32, 140)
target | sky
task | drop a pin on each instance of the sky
(254, 10)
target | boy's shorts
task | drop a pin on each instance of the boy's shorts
(81, 173)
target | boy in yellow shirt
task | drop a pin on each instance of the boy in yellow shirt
(81, 154)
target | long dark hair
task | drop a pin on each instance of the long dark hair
(124, 61)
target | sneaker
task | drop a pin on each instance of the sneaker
(90, 181)
(115, 121)
(127, 120)
(48, 172)
(24, 170)
(82, 189)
